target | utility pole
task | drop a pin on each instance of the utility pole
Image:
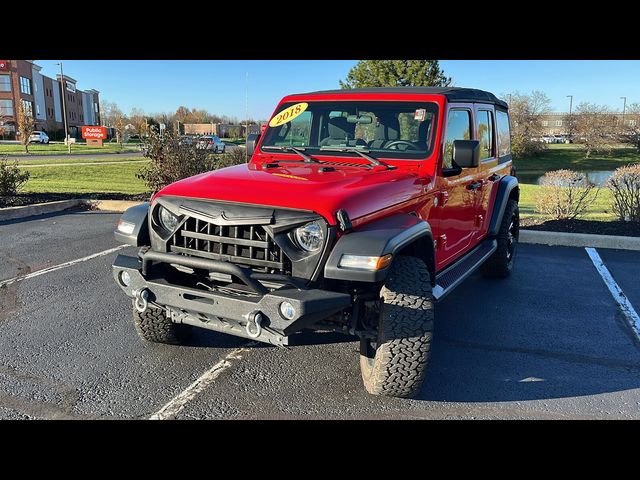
(570, 97)
(624, 110)
(64, 109)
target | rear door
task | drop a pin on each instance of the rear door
(486, 131)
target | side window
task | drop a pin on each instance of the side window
(504, 134)
(458, 128)
(485, 134)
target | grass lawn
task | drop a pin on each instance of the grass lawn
(26, 162)
(86, 179)
(572, 157)
(61, 149)
(600, 210)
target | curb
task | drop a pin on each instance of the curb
(14, 213)
(562, 239)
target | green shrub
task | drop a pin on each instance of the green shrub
(171, 160)
(12, 178)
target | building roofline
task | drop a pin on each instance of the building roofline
(67, 78)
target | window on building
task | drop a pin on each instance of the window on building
(545, 123)
(28, 107)
(485, 134)
(25, 85)
(5, 83)
(632, 123)
(6, 108)
(37, 109)
(558, 123)
(95, 107)
(504, 134)
(458, 128)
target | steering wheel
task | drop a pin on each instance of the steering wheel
(410, 145)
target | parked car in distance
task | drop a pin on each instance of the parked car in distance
(211, 142)
(39, 137)
(186, 140)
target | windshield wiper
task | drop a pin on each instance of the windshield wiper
(299, 151)
(357, 151)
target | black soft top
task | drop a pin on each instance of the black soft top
(453, 94)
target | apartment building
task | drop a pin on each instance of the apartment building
(21, 81)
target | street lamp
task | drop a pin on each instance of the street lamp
(624, 110)
(570, 97)
(64, 109)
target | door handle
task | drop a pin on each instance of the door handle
(493, 177)
(474, 186)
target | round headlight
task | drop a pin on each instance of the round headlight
(310, 236)
(167, 219)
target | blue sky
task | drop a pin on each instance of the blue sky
(219, 86)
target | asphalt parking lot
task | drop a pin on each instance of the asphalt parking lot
(549, 343)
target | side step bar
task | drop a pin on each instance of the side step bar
(455, 274)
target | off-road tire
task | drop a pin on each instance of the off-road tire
(405, 330)
(154, 326)
(500, 264)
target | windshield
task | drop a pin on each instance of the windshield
(382, 129)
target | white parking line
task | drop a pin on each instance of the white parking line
(618, 295)
(171, 409)
(19, 278)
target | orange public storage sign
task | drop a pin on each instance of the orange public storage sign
(94, 133)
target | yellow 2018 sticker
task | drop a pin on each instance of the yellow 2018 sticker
(288, 114)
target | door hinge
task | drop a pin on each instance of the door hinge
(479, 220)
(440, 242)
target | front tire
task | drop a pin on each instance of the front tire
(154, 326)
(500, 264)
(396, 363)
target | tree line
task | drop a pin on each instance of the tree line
(141, 123)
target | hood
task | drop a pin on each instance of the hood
(360, 191)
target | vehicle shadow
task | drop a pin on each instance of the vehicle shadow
(201, 337)
(486, 349)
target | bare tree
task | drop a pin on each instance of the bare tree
(113, 117)
(525, 111)
(26, 125)
(632, 119)
(596, 127)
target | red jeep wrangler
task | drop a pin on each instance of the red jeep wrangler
(358, 210)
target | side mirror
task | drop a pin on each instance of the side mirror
(252, 140)
(466, 153)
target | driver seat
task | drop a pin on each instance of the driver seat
(387, 130)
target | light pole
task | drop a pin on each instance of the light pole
(64, 109)
(570, 97)
(624, 110)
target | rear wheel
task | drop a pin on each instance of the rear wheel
(395, 363)
(154, 326)
(500, 264)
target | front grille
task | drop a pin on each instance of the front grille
(248, 245)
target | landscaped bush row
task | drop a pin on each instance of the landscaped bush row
(568, 194)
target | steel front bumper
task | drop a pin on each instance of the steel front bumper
(255, 316)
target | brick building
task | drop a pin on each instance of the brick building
(22, 81)
(222, 130)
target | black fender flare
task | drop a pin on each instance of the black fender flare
(136, 215)
(507, 188)
(389, 235)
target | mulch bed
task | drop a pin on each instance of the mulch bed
(627, 229)
(31, 198)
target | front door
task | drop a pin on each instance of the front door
(458, 191)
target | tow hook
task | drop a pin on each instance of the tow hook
(254, 318)
(141, 299)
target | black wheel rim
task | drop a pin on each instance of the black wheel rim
(512, 237)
